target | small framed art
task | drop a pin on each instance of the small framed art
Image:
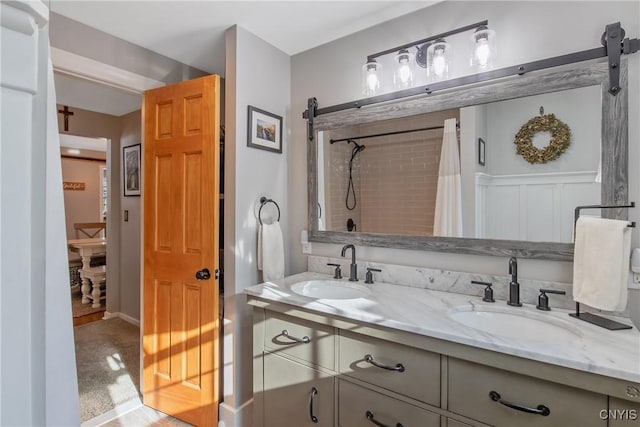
(131, 170)
(264, 130)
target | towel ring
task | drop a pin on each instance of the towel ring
(264, 201)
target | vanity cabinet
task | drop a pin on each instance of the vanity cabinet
(327, 371)
(296, 395)
(484, 394)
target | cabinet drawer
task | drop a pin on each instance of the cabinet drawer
(283, 335)
(623, 413)
(294, 393)
(356, 403)
(420, 378)
(470, 386)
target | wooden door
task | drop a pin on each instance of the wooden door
(181, 214)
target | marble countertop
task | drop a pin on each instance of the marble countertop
(426, 312)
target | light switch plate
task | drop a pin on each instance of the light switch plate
(126, 215)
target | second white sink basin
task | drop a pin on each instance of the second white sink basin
(515, 323)
(330, 289)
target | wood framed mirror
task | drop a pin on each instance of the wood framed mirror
(586, 79)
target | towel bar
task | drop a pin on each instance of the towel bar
(612, 325)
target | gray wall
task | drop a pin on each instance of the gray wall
(257, 74)
(85, 205)
(130, 231)
(579, 109)
(526, 31)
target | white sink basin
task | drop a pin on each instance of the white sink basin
(514, 323)
(330, 289)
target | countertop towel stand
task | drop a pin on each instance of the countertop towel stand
(612, 325)
(264, 201)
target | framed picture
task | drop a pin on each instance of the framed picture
(481, 152)
(264, 130)
(131, 170)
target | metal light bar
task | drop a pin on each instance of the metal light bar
(428, 39)
(628, 46)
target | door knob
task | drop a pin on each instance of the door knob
(203, 274)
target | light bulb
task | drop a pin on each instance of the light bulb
(438, 55)
(483, 49)
(371, 78)
(403, 69)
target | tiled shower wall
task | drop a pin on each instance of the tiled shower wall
(395, 177)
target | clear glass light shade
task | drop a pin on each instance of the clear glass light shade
(403, 69)
(438, 60)
(483, 49)
(371, 78)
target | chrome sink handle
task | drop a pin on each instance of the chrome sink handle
(398, 367)
(305, 339)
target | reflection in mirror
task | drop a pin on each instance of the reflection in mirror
(389, 184)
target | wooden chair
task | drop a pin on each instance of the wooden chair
(89, 230)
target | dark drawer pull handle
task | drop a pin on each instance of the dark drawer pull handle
(314, 392)
(398, 367)
(305, 339)
(372, 419)
(540, 410)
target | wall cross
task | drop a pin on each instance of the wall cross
(66, 113)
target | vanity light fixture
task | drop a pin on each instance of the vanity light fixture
(614, 46)
(432, 53)
(371, 77)
(403, 69)
(483, 49)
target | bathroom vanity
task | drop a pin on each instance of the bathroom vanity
(391, 355)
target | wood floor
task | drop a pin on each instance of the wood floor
(82, 320)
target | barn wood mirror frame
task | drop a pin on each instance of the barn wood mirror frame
(614, 142)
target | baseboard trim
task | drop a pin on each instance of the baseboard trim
(125, 317)
(235, 417)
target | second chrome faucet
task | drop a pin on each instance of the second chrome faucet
(353, 270)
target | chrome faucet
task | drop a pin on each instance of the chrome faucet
(353, 271)
(514, 286)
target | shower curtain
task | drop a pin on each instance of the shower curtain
(448, 212)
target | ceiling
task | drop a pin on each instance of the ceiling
(192, 32)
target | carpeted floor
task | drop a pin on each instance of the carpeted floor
(108, 364)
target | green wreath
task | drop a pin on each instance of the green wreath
(560, 139)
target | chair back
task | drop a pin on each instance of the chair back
(89, 229)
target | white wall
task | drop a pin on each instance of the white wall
(35, 336)
(527, 31)
(257, 74)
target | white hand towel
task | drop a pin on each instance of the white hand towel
(260, 248)
(271, 252)
(601, 263)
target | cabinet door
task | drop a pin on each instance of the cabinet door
(483, 393)
(361, 407)
(623, 413)
(294, 393)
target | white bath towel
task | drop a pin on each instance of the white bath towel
(271, 251)
(601, 263)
